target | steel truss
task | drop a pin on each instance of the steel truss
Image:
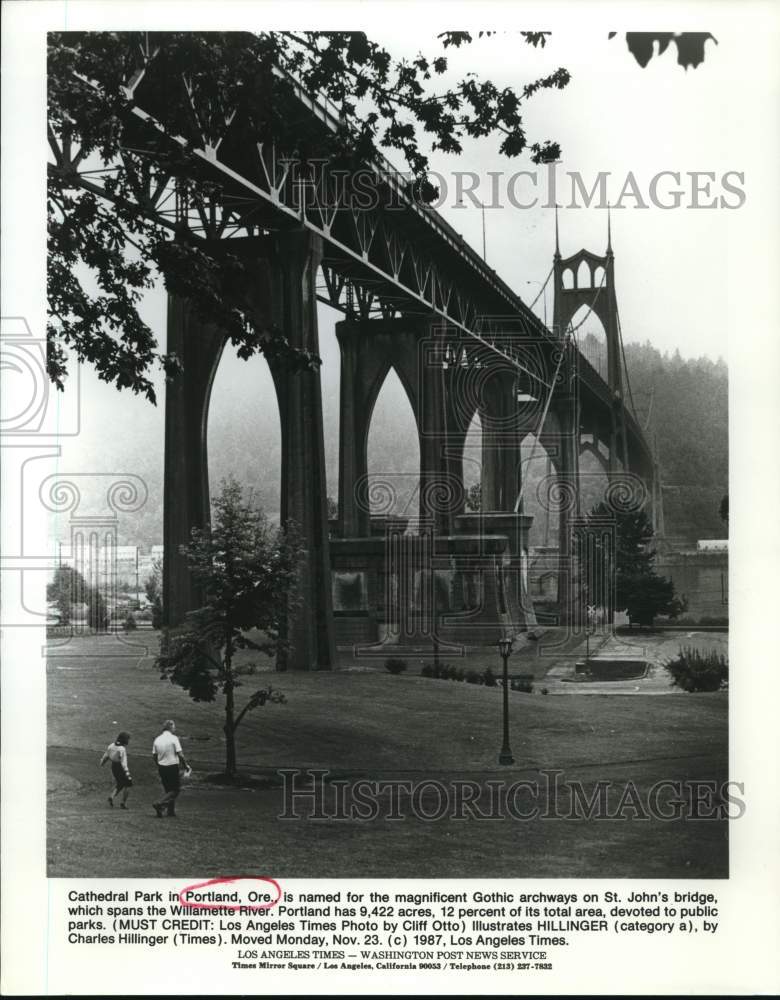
(384, 254)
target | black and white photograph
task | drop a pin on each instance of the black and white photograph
(367, 463)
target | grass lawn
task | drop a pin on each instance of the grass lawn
(368, 724)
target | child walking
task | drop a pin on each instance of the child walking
(116, 752)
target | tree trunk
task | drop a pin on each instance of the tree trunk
(230, 728)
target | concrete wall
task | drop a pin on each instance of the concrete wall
(702, 577)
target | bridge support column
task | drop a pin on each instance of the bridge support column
(199, 347)
(501, 456)
(310, 631)
(438, 491)
(354, 517)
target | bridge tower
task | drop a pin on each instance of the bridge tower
(600, 297)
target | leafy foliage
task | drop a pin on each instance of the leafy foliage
(153, 589)
(448, 672)
(247, 572)
(395, 665)
(209, 80)
(67, 588)
(689, 415)
(690, 45)
(474, 497)
(442, 671)
(638, 589)
(693, 670)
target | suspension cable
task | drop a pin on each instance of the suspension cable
(650, 408)
(593, 303)
(541, 290)
(542, 419)
(625, 366)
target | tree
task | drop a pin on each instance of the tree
(474, 497)
(66, 589)
(689, 417)
(247, 571)
(97, 612)
(629, 572)
(153, 589)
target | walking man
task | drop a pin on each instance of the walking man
(169, 759)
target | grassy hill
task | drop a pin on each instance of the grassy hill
(369, 724)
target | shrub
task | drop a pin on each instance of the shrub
(449, 672)
(395, 666)
(129, 624)
(442, 671)
(474, 497)
(524, 683)
(693, 670)
(545, 691)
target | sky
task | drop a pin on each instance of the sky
(617, 118)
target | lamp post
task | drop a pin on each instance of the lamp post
(505, 649)
(589, 630)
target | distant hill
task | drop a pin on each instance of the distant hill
(690, 420)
